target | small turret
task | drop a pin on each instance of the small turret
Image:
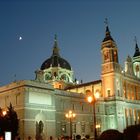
(136, 60)
(137, 51)
(129, 66)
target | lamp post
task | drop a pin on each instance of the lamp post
(70, 115)
(4, 112)
(92, 99)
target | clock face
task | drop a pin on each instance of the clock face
(106, 56)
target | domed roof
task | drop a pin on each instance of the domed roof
(55, 60)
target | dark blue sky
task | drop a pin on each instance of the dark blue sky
(79, 25)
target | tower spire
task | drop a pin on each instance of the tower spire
(135, 39)
(106, 22)
(55, 37)
(107, 28)
(107, 33)
(137, 51)
(55, 47)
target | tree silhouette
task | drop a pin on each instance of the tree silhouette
(9, 122)
(12, 121)
(1, 123)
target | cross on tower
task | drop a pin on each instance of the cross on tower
(135, 39)
(106, 21)
(55, 37)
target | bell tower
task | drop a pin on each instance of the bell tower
(110, 72)
(112, 86)
(109, 52)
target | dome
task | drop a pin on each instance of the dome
(55, 60)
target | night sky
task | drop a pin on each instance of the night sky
(80, 29)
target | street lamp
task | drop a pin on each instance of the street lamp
(92, 99)
(98, 126)
(4, 112)
(70, 115)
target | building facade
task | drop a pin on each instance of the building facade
(41, 110)
(119, 88)
(41, 104)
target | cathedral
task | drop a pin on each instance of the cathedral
(43, 104)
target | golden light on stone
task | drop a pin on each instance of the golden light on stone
(97, 95)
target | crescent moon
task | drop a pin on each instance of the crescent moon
(20, 38)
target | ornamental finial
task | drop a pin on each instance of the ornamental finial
(55, 37)
(106, 21)
(135, 39)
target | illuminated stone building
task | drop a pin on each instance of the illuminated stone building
(41, 104)
(119, 88)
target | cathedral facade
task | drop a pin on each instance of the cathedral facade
(42, 104)
(119, 88)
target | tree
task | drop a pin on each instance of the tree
(1, 123)
(11, 121)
